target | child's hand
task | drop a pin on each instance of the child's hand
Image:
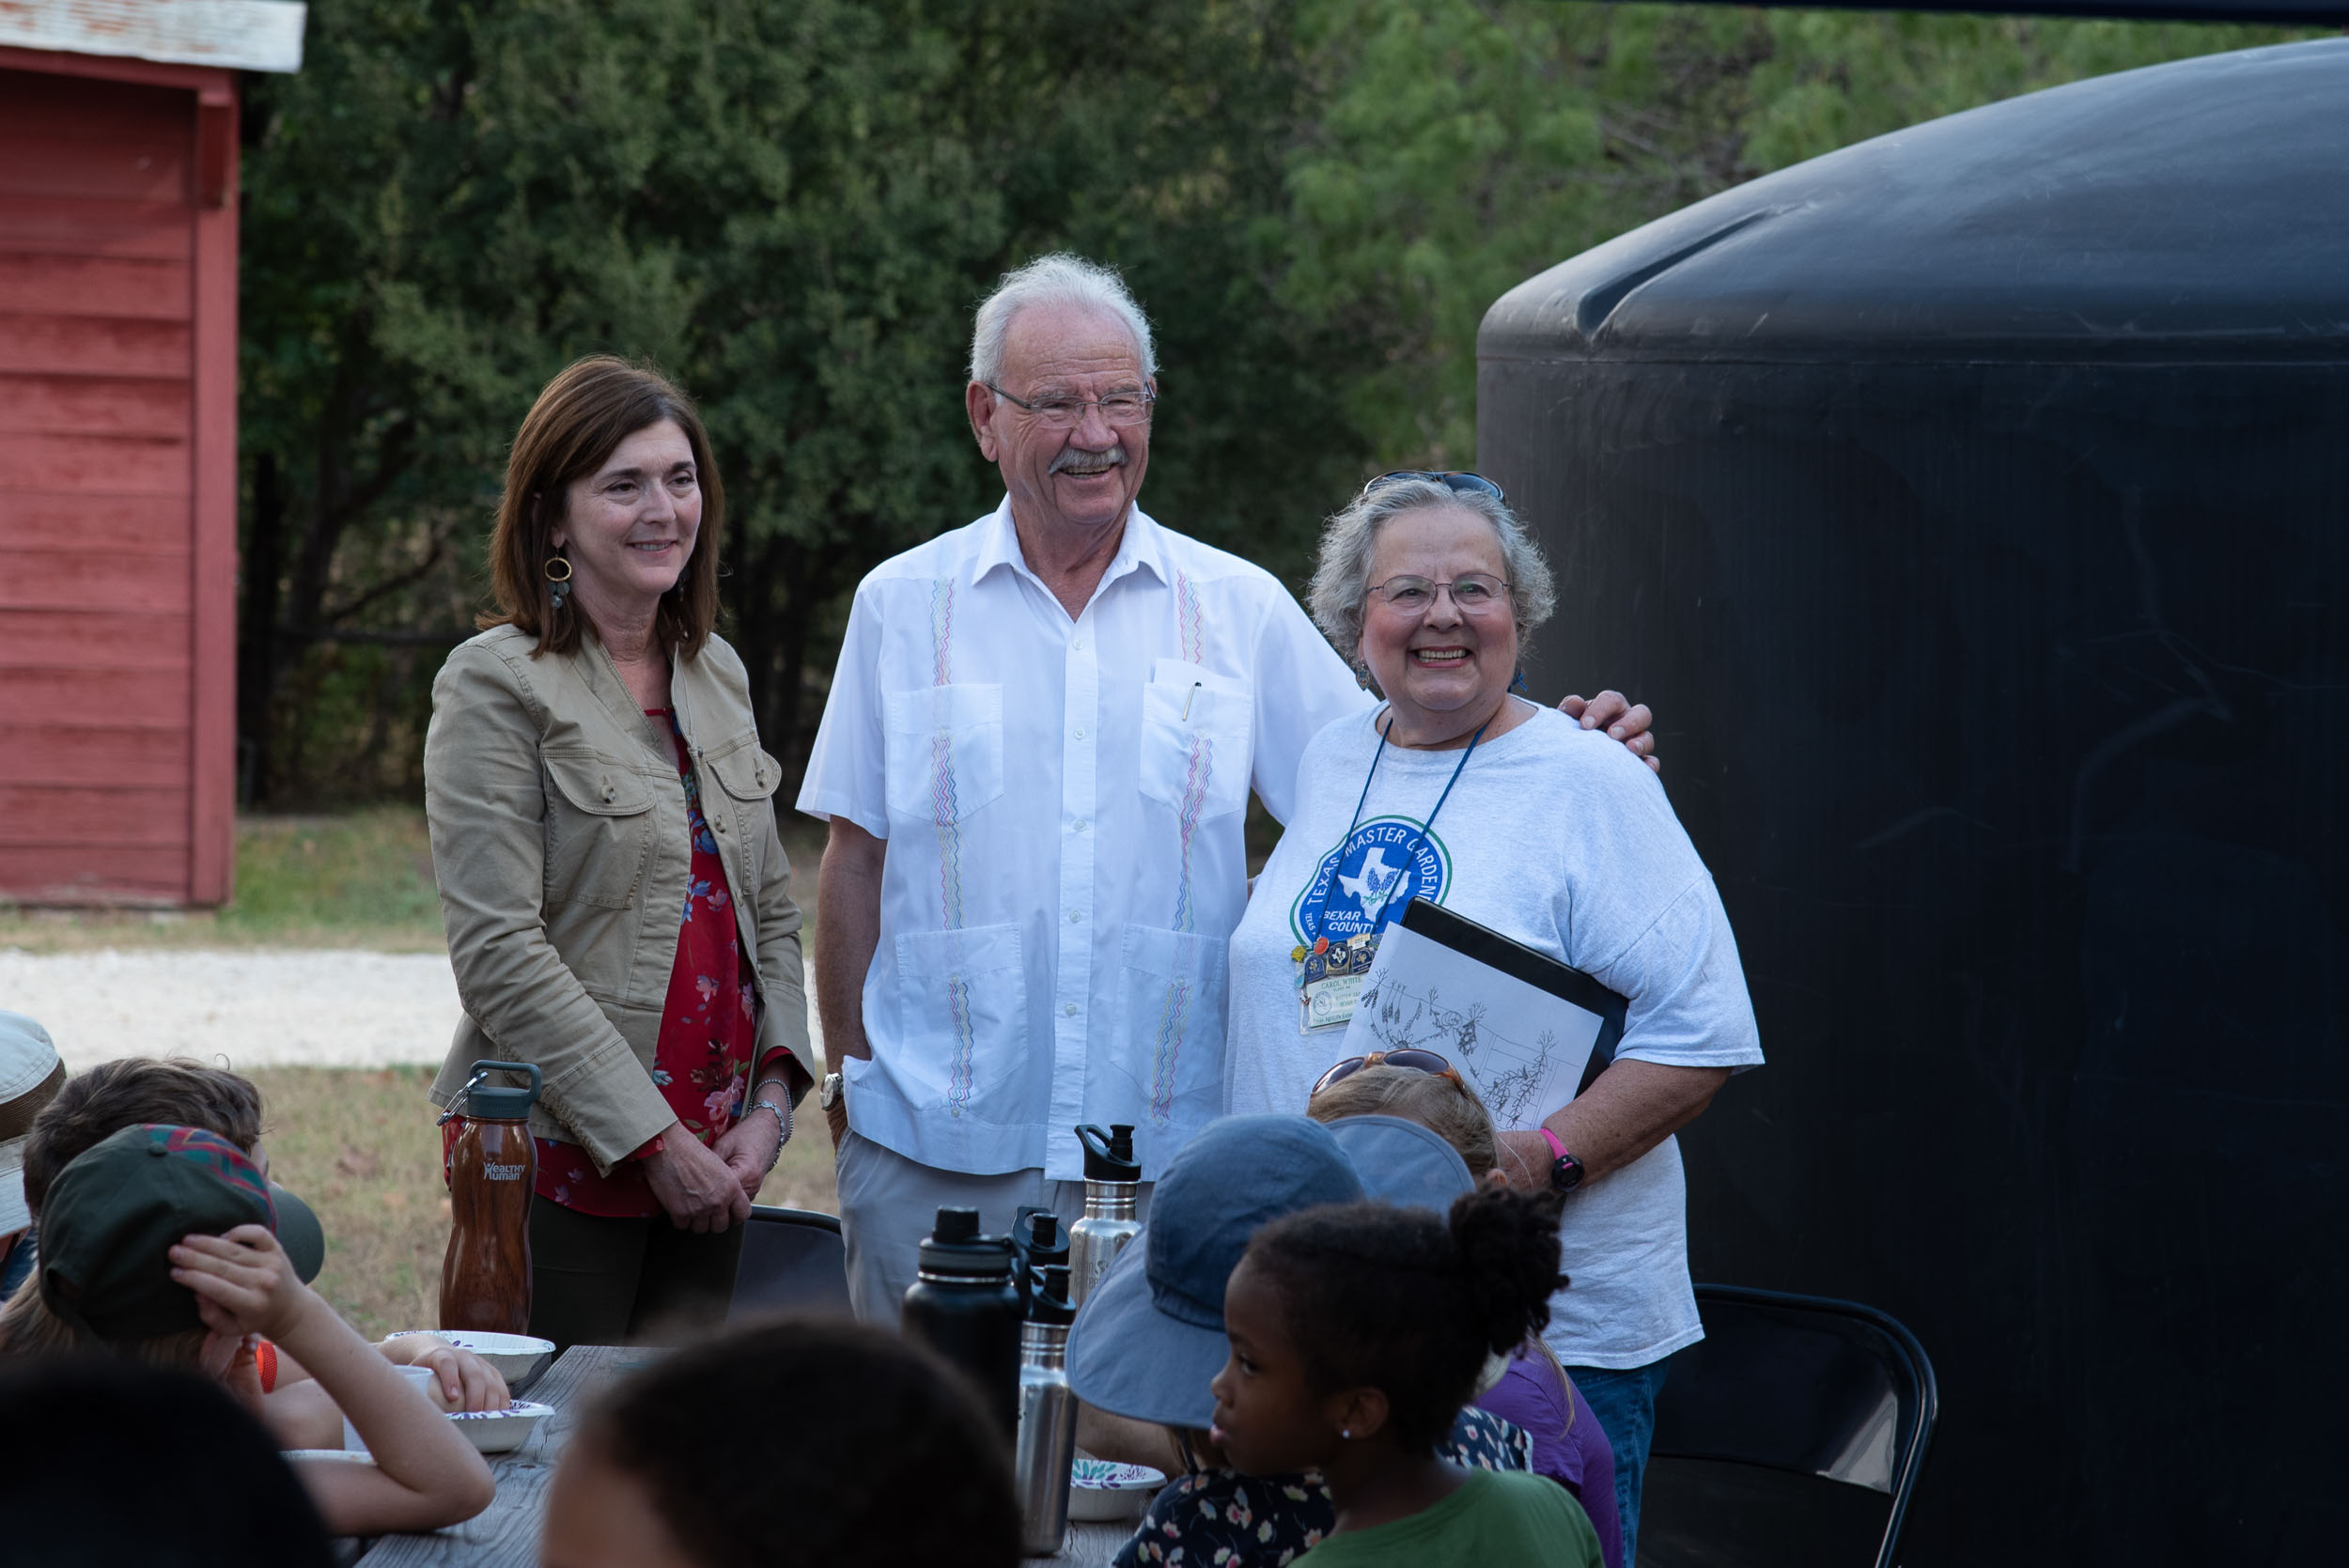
(243, 1282)
(460, 1379)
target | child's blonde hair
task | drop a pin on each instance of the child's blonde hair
(28, 1327)
(1444, 1103)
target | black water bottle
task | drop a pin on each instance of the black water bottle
(964, 1304)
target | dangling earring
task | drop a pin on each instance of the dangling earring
(1346, 1432)
(1362, 675)
(560, 591)
(1517, 684)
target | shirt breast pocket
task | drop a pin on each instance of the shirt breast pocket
(1198, 731)
(599, 830)
(946, 750)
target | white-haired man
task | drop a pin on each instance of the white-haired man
(1035, 762)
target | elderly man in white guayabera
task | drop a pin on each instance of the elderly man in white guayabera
(1035, 762)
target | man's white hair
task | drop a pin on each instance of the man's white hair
(1058, 279)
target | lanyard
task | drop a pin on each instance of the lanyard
(1424, 829)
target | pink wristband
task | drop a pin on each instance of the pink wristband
(1557, 1150)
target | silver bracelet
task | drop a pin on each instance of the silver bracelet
(783, 1123)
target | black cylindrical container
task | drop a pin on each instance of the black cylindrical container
(965, 1305)
(1970, 505)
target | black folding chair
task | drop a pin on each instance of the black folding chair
(1782, 1437)
(793, 1261)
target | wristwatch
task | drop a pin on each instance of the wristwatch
(829, 1096)
(1565, 1172)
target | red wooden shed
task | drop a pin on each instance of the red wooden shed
(119, 443)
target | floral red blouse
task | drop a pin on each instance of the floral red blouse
(709, 1031)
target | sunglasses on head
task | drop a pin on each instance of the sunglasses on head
(1451, 480)
(1411, 1057)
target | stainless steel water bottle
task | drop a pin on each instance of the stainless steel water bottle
(1048, 1415)
(1112, 1178)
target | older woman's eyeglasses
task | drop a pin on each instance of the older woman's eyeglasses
(1451, 480)
(1121, 409)
(1414, 595)
(1411, 1057)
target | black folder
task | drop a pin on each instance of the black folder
(1520, 962)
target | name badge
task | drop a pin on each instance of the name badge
(1329, 1003)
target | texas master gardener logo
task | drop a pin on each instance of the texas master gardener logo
(1378, 871)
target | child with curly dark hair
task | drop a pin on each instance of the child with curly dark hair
(1358, 1331)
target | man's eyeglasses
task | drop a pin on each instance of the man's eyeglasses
(1414, 595)
(1452, 479)
(1412, 1057)
(1065, 414)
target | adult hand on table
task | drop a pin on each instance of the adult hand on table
(695, 1188)
(1621, 718)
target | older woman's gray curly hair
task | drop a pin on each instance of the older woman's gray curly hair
(1341, 584)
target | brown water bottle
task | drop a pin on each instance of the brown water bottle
(485, 1279)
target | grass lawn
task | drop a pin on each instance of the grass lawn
(362, 1146)
(363, 1149)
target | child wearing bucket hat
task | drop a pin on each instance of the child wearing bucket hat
(1356, 1333)
(31, 1073)
(166, 1243)
(1150, 1338)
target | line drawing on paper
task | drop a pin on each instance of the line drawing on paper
(1508, 1073)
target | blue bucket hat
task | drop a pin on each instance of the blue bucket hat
(1402, 1161)
(1150, 1337)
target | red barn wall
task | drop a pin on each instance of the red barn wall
(118, 321)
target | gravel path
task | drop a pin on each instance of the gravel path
(258, 1008)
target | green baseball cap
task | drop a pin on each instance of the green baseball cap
(114, 1214)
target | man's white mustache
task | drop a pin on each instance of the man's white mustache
(1113, 457)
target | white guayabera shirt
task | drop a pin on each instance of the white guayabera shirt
(1064, 804)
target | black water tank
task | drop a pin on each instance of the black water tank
(1970, 505)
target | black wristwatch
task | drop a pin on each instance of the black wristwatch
(1565, 1172)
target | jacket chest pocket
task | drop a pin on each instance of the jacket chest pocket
(599, 830)
(1197, 741)
(946, 750)
(748, 776)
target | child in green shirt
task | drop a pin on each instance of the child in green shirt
(1356, 1333)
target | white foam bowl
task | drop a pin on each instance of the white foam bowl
(515, 1356)
(339, 1456)
(501, 1430)
(1101, 1490)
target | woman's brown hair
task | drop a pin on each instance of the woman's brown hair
(579, 420)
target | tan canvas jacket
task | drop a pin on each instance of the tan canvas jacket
(559, 841)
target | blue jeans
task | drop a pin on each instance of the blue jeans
(1624, 1404)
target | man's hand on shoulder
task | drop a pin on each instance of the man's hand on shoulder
(1621, 718)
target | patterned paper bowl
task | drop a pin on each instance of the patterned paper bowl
(517, 1356)
(1101, 1490)
(501, 1430)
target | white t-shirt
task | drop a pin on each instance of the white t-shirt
(1557, 836)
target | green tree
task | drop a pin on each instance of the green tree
(792, 206)
(1459, 146)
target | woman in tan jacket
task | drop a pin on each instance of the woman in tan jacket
(603, 834)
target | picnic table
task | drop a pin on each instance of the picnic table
(505, 1534)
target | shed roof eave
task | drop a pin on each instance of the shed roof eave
(240, 34)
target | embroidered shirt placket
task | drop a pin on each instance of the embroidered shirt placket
(1081, 738)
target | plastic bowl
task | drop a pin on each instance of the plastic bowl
(518, 1357)
(501, 1430)
(1102, 1491)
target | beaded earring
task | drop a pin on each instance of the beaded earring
(559, 585)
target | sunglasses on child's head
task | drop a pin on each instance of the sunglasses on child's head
(1411, 1057)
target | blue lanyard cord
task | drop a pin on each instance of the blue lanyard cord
(1424, 829)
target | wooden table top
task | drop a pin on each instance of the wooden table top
(505, 1534)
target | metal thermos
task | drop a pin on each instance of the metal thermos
(1048, 1415)
(1113, 1177)
(964, 1305)
(485, 1275)
(1038, 1238)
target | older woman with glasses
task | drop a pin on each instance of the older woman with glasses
(1512, 814)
